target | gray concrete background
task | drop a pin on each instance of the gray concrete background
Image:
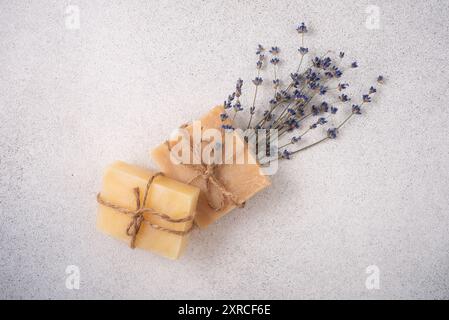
(74, 100)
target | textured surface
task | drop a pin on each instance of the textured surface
(73, 100)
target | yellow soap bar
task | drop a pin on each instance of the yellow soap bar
(242, 180)
(165, 196)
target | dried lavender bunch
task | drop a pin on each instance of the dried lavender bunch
(305, 103)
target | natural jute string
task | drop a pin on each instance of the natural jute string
(138, 214)
(207, 173)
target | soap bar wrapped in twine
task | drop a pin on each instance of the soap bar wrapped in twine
(208, 174)
(138, 214)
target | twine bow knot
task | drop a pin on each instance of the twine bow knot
(207, 172)
(137, 217)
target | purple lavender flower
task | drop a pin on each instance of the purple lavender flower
(332, 133)
(227, 105)
(295, 77)
(344, 98)
(324, 107)
(303, 51)
(286, 154)
(323, 90)
(356, 109)
(252, 110)
(285, 95)
(300, 97)
(316, 62)
(302, 28)
(267, 115)
(227, 127)
(337, 72)
(320, 121)
(342, 86)
(326, 62)
(257, 81)
(237, 106)
(292, 124)
(274, 61)
(291, 111)
(238, 88)
(366, 98)
(314, 85)
(274, 50)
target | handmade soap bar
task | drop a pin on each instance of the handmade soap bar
(241, 180)
(165, 196)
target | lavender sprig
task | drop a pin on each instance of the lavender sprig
(305, 98)
(257, 81)
(302, 30)
(275, 61)
(332, 133)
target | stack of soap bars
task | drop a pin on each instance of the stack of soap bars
(155, 210)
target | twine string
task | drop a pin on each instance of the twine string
(137, 215)
(207, 172)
